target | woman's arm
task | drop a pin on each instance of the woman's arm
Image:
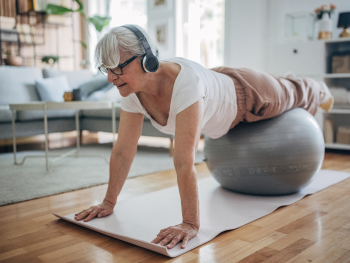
(123, 153)
(187, 134)
(188, 130)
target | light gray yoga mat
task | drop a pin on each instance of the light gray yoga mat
(138, 220)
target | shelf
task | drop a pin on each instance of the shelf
(336, 75)
(344, 39)
(338, 146)
(10, 31)
(39, 57)
(339, 111)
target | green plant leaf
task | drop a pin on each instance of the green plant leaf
(50, 59)
(99, 22)
(83, 43)
(57, 10)
(81, 7)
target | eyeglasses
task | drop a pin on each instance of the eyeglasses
(118, 70)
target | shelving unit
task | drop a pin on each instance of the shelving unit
(340, 114)
(40, 18)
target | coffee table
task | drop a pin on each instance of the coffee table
(46, 106)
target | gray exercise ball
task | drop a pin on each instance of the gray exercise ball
(277, 156)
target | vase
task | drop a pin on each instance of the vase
(325, 27)
(13, 61)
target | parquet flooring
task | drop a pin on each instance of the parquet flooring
(314, 229)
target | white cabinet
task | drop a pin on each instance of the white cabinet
(303, 58)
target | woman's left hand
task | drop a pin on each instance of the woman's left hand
(172, 235)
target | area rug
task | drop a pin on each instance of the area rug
(30, 180)
(138, 220)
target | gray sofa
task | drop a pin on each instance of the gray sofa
(17, 85)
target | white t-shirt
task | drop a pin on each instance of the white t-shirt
(193, 82)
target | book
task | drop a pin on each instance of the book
(26, 31)
(23, 6)
(7, 22)
(9, 35)
(57, 19)
(25, 35)
(21, 36)
(39, 5)
(328, 131)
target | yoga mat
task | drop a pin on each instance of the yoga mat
(138, 220)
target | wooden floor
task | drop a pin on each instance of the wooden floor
(314, 229)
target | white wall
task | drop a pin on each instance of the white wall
(252, 27)
(279, 8)
(246, 33)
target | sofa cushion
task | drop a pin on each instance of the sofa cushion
(75, 78)
(52, 89)
(39, 115)
(6, 115)
(17, 84)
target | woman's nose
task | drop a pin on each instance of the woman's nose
(111, 77)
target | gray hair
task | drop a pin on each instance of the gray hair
(117, 40)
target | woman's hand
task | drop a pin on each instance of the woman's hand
(101, 210)
(174, 234)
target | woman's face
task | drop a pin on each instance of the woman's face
(131, 80)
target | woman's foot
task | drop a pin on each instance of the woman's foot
(327, 100)
(290, 75)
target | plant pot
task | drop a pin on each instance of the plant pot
(13, 61)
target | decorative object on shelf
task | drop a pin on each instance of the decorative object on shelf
(323, 16)
(51, 60)
(300, 26)
(344, 22)
(12, 60)
(98, 22)
(343, 135)
(68, 96)
(341, 63)
(341, 97)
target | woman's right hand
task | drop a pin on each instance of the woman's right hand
(101, 210)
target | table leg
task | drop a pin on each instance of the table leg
(78, 130)
(113, 123)
(14, 136)
(46, 138)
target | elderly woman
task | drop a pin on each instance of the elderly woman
(184, 99)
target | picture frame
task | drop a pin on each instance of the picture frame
(161, 30)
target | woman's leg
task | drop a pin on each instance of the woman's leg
(263, 96)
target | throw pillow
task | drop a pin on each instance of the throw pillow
(97, 83)
(52, 89)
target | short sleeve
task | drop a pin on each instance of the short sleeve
(188, 94)
(130, 105)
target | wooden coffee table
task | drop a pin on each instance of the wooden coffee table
(46, 106)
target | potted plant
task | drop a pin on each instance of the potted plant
(11, 60)
(51, 60)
